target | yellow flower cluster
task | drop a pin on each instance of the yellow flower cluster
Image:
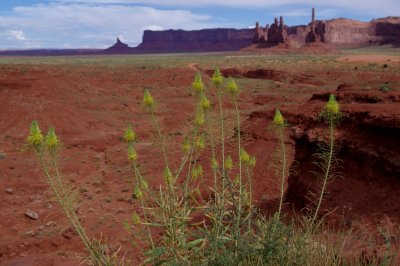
(132, 155)
(232, 87)
(246, 158)
(205, 103)
(148, 100)
(229, 163)
(197, 172)
(199, 143)
(197, 85)
(51, 139)
(278, 119)
(35, 137)
(129, 135)
(199, 121)
(217, 78)
(214, 164)
(186, 145)
(138, 193)
(167, 176)
(135, 218)
(332, 107)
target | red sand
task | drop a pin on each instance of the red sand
(90, 107)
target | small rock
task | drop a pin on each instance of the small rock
(68, 233)
(9, 190)
(41, 228)
(34, 198)
(30, 233)
(296, 133)
(50, 224)
(32, 215)
(311, 135)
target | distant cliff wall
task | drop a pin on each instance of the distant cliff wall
(196, 40)
(338, 33)
(342, 33)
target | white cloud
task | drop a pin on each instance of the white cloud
(16, 35)
(372, 7)
(152, 27)
(306, 12)
(96, 25)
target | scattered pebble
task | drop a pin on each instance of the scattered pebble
(50, 224)
(34, 198)
(41, 228)
(9, 190)
(32, 215)
(30, 233)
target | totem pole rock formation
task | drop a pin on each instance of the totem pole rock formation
(312, 36)
(277, 33)
(259, 34)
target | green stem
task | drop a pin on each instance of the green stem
(221, 116)
(240, 169)
(67, 200)
(327, 170)
(157, 127)
(67, 212)
(221, 120)
(283, 170)
(248, 175)
(138, 181)
(212, 149)
(171, 213)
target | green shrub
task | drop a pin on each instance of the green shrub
(385, 88)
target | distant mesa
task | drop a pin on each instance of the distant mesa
(325, 35)
(206, 40)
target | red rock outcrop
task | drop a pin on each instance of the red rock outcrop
(196, 40)
(312, 36)
(277, 33)
(259, 34)
(119, 48)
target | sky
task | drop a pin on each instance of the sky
(33, 24)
